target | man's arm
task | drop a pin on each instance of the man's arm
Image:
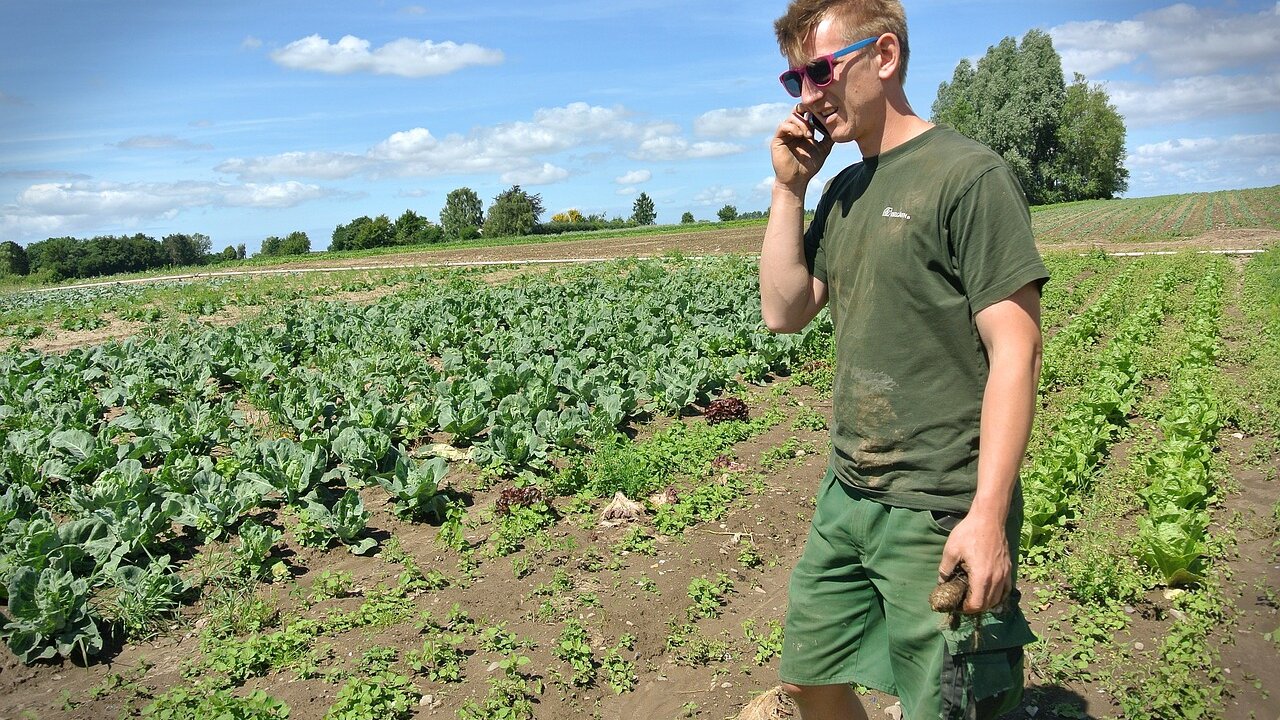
(789, 294)
(1010, 331)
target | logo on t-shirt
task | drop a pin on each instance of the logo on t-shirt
(890, 212)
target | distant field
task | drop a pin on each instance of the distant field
(1157, 218)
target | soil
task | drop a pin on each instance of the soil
(773, 517)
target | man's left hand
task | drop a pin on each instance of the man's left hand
(979, 542)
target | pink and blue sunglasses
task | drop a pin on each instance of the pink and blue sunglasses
(820, 71)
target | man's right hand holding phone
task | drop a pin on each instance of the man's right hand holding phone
(797, 150)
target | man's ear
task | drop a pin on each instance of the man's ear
(888, 53)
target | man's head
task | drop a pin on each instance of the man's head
(857, 19)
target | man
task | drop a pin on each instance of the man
(924, 253)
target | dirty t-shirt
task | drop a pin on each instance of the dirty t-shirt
(911, 245)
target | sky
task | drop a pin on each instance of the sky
(241, 120)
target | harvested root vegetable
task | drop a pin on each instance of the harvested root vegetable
(772, 704)
(948, 596)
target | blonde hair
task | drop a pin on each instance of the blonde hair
(858, 19)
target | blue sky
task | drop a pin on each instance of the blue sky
(241, 120)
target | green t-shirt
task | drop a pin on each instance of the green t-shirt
(911, 245)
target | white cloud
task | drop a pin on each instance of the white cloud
(764, 188)
(279, 195)
(1177, 40)
(634, 177)
(61, 207)
(1233, 161)
(544, 175)
(413, 10)
(674, 147)
(325, 165)
(250, 43)
(160, 142)
(715, 195)
(404, 57)
(743, 122)
(1187, 98)
(627, 191)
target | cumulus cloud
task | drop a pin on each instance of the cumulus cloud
(1177, 40)
(1231, 161)
(324, 165)
(404, 57)
(54, 207)
(634, 177)
(544, 175)
(674, 147)
(1188, 98)
(715, 195)
(743, 122)
(160, 142)
(250, 43)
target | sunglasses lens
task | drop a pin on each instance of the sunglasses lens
(792, 80)
(819, 72)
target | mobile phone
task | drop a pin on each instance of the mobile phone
(819, 130)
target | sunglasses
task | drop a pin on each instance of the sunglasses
(820, 71)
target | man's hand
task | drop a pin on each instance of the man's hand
(979, 542)
(797, 154)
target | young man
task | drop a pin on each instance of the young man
(924, 252)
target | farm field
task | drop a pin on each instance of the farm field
(390, 493)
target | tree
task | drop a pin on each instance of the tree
(572, 215)
(228, 253)
(295, 243)
(513, 212)
(1089, 163)
(727, 213)
(462, 214)
(687, 218)
(241, 252)
(181, 249)
(643, 212)
(413, 229)
(344, 236)
(1016, 102)
(13, 259)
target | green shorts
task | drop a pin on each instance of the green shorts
(858, 612)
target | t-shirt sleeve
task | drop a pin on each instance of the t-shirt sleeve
(990, 237)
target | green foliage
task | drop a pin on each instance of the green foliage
(574, 648)
(440, 659)
(13, 259)
(643, 211)
(708, 596)
(768, 644)
(413, 229)
(295, 243)
(382, 695)
(620, 672)
(687, 218)
(256, 542)
(1091, 137)
(513, 212)
(727, 213)
(1062, 144)
(50, 616)
(197, 703)
(462, 214)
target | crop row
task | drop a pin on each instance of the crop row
(1061, 471)
(107, 452)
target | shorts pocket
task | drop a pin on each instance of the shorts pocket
(943, 522)
(982, 672)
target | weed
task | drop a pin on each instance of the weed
(768, 645)
(382, 695)
(440, 659)
(331, 584)
(708, 596)
(572, 647)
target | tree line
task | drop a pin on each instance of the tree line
(66, 258)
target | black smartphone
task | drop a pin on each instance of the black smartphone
(819, 130)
